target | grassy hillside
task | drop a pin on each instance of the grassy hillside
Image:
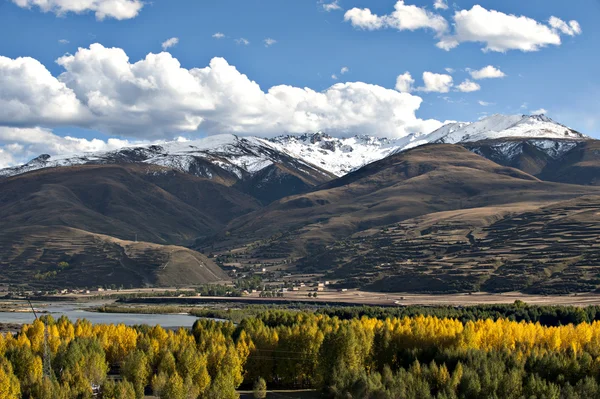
(62, 257)
(428, 179)
(525, 247)
(158, 204)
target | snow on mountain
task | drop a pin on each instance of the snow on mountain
(310, 153)
(503, 126)
(237, 155)
(340, 155)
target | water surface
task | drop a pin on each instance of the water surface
(76, 311)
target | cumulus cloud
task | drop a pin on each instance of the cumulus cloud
(117, 9)
(334, 77)
(334, 5)
(440, 5)
(363, 18)
(484, 103)
(538, 111)
(405, 82)
(501, 32)
(572, 28)
(243, 41)
(449, 70)
(63, 41)
(436, 83)
(488, 72)
(30, 95)
(156, 98)
(269, 42)
(170, 43)
(344, 70)
(19, 145)
(468, 86)
(218, 35)
(404, 17)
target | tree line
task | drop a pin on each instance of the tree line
(418, 356)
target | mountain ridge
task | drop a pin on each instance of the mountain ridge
(229, 158)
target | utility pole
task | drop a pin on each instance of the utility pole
(47, 367)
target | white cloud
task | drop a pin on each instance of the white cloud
(468, 86)
(19, 145)
(363, 18)
(449, 70)
(404, 83)
(30, 95)
(488, 72)
(334, 77)
(218, 35)
(436, 82)
(156, 98)
(539, 111)
(344, 70)
(572, 28)
(499, 31)
(117, 9)
(404, 17)
(484, 103)
(243, 41)
(334, 5)
(269, 42)
(440, 5)
(170, 43)
(63, 41)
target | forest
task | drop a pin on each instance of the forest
(348, 355)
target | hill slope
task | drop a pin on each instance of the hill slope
(33, 255)
(420, 181)
(156, 204)
(527, 247)
(567, 161)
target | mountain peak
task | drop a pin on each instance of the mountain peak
(246, 155)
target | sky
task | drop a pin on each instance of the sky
(91, 75)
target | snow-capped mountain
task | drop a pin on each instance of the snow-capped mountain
(238, 156)
(501, 127)
(339, 155)
(317, 155)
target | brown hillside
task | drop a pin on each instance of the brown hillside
(424, 180)
(32, 255)
(158, 204)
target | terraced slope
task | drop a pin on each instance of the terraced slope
(521, 247)
(427, 179)
(33, 256)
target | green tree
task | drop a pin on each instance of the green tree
(136, 369)
(174, 388)
(260, 388)
(118, 390)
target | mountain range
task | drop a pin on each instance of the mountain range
(144, 215)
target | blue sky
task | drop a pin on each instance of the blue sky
(312, 44)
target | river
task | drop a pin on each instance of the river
(76, 311)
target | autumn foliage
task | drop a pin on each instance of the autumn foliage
(410, 357)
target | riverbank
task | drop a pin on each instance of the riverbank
(360, 298)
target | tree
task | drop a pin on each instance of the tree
(260, 388)
(136, 369)
(9, 383)
(118, 390)
(174, 388)
(159, 381)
